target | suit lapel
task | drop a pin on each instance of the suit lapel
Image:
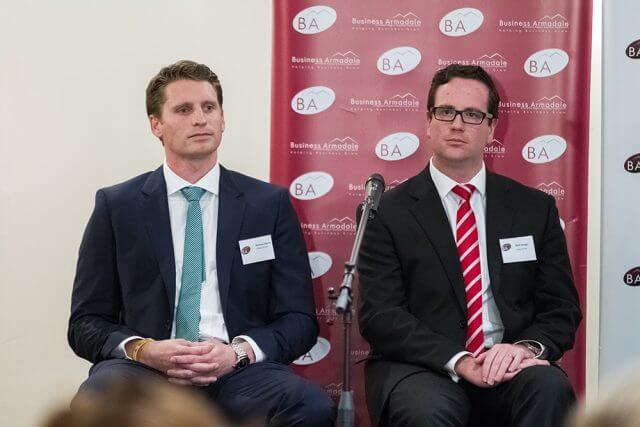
(499, 218)
(432, 218)
(230, 212)
(155, 211)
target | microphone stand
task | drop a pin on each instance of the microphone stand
(346, 409)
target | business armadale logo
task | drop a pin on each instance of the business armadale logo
(327, 314)
(399, 60)
(318, 352)
(489, 61)
(333, 390)
(347, 60)
(313, 100)
(407, 21)
(546, 62)
(632, 277)
(336, 226)
(544, 149)
(397, 146)
(553, 189)
(554, 104)
(311, 185)
(633, 50)
(632, 164)
(314, 20)
(346, 146)
(405, 102)
(495, 150)
(359, 354)
(551, 23)
(320, 263)
(461, 22)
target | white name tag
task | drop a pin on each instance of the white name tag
(256, 249)
(518, 249)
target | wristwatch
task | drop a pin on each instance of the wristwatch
(242, 360)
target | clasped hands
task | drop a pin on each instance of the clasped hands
(190, 363)
(500, 363)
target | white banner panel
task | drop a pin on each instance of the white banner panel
(620, 284)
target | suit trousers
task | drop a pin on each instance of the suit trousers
(538, 396)
(268, 392)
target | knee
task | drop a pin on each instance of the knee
(434, 412)
(550, 384)
(316, 408)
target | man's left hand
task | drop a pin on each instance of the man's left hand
(203, 369)
(501, 360)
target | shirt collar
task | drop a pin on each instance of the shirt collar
(444, 184)
(210, 182)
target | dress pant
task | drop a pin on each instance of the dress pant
(539, 396)
(265, 391)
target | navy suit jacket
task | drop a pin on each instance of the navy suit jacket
(125, 279)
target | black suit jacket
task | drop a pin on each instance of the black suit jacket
(412, 299)
(125, 279)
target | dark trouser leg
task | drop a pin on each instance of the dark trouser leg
(537, 396)
(272, 393)
(427, 399)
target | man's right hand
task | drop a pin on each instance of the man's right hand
(158, 354)
(469, 370)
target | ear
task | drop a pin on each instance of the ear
(494, 123)
(156, 126)
(222, 114)
(429, 126)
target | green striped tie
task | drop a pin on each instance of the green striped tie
(193, 273)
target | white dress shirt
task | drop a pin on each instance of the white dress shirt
(211, 317)
(492, 325)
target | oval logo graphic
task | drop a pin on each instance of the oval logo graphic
(544, 149)
(632, 164)
(461, 22)
(320, 263)
(633, 50)
(313, 100)
(311, 185)
(314, 20)
(399, 60)
(316, 354)
(547, 62)
(632, 277)
(397, 146)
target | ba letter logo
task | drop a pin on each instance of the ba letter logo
(311, 185)
(633, 50)
(397, 146)
(461, 22)
(399, 60)
(547, 62)
(313, 20)
(313, 100)
(632, 164)
(316, 354)
(632, 277)
(544, 149)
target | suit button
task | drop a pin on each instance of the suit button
(462, 324)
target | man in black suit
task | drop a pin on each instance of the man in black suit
(197, 273)
(466, 291)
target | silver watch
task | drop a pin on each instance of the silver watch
(242, 359)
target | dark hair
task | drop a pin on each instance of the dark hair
(181, 70)
(472, 72)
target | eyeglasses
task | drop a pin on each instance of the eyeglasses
(448, 114)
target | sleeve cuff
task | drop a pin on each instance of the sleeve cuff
(257, 351)
(449, 367)
(120, 352)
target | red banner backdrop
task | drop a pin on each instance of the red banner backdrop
(350, 81)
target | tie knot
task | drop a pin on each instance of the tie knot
(192, 194)
(464, 191)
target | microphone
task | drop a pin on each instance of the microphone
(372, 193)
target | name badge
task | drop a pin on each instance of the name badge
(256, 249)
(517, 249)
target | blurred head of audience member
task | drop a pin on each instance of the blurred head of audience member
(139, 403)
(618, 404)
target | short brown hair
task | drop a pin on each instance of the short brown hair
(181, 70)
(472, 72)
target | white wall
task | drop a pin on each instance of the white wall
(72, 119)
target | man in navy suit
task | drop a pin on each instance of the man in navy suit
(198, 273)
(466, 291)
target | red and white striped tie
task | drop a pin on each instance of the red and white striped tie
(469, 252)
